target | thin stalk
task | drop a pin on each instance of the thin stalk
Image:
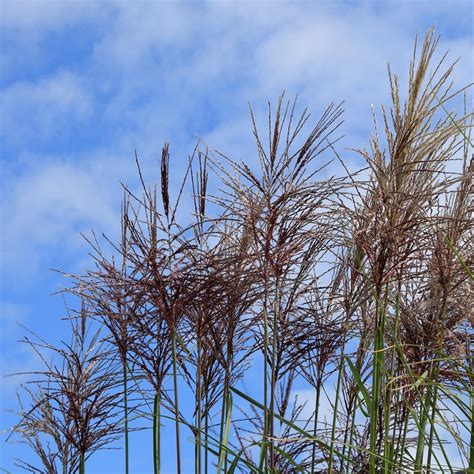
(176, 402)
(394, 431)
(82, 464)
(265, 381)
(122, 310)
(225, 443)
(222, 420)
(403, 435)
(206, 436)
(388, 443)
(198, 413)
(359, 363)
(432, 419)
(353, 408)
(432, 425)
(351, 440)
(223, 411)
(225, 396)
(337, 396)
(125, 408)
(226, 454)
(434, 381)
(422, 431)
(156, 434)
(430, 401)
(273, 378)
(471, 367)
(316, 415)
(376, 383)
(394, 368)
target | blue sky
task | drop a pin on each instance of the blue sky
(85, 83)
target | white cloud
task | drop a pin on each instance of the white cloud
(43, 108)
(26, 24)
(325, 411)
(166, 71)
(45, 209)
(47, 14)
(138, 29)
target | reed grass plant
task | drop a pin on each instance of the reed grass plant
(356, 289)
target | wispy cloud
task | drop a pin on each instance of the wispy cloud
(40, 110)
(178, 71)
(45, 209)
(167, 71)
(83, 84)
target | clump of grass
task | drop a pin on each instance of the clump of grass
(72, 407)
(356, 290)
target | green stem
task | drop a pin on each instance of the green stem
(206, 437)
(378, 366)
(431, 435)
(265, 382)
(176, 403)
(222, 420)
(403, 436)
(471, 454)
(198, 410)
(425, 415)
(351, 440)
(82, 464)
(422, 431)
(394, 431)
(389, 442)
(125, 403)
(156, 433)
(432, 427)
(225, 442)
(316, 415)
(336, 403)
(273, 378)
(225, 396)
(353, 409)
(394, 369)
